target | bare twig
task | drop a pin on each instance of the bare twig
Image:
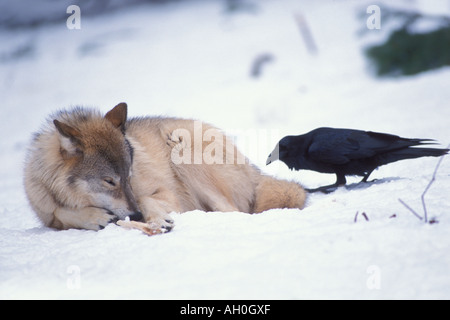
(306, 34)
(363, 214)
(410, 209)
(428, 187)
(425, 212)
(259, 62)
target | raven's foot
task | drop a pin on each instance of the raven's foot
(325, 189)
(365, 181)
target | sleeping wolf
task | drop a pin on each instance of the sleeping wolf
(84, 170)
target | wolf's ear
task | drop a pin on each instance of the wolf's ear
(118, 116)
(70, 138)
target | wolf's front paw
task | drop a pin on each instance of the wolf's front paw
(90, 218)
(163, 222)
(168, 224)
(98, 218)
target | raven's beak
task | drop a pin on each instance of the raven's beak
(269, 160)
(274, 155)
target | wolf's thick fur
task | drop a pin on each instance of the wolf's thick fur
(85, 170)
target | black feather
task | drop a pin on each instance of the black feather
(348, 152)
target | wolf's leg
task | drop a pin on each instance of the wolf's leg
(90, 218)
(224, 207)
(218, 202)
(156, 209)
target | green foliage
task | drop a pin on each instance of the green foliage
(406, 53)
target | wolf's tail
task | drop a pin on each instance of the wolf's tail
(272, 193)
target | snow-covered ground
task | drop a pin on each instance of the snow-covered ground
(192, 59)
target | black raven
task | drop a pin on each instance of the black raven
(347, 152)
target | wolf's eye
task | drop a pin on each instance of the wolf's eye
(109, 181)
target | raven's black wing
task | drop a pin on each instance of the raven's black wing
(340, 146)
(331, 148)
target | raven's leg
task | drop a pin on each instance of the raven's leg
(340, 181)
(366, 176)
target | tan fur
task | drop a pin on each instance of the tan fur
(272, 193)
(69, 159)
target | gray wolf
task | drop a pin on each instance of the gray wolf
(347, 152)
(84, 170)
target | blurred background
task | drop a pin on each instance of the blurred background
(259, 69)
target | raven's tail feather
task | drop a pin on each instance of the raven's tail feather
(411, 153)
(417, 142)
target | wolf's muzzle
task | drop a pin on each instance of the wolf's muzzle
(137, 216)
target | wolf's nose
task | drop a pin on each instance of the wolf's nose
(137, 216)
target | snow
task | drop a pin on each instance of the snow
(192, 59)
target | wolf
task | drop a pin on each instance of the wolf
(84, 170)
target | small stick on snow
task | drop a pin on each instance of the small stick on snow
(306, 34)
(410, 209)
(428, 187)
(363, 214)
(433, 178)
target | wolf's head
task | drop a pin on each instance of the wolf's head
(99, 158)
